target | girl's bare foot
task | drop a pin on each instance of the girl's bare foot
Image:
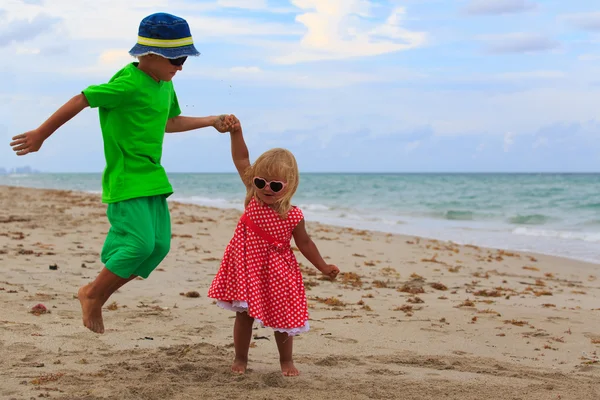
(239, 366)
(288, 368)
(91, 310)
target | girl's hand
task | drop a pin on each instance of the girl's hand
(225, 123)
(236, 126)
(331, 271)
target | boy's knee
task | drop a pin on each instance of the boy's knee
(143, 248)
(162, 245)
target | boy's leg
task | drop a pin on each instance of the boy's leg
(116, 287)
(129, 242)
(93, 296)
(285, 345)
(242, 334)
(161, 226)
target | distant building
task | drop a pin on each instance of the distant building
(26, 170)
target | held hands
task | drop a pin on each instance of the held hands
(331, 271)
(226, 123)
(28, 142)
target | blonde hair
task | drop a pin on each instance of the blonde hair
(274, 164)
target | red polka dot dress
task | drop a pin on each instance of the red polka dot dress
(262, 278)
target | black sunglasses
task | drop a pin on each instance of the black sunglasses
(261, 183)
(178, 62)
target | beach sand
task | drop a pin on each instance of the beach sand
(407, 318)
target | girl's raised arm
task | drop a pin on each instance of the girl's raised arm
(239, 151)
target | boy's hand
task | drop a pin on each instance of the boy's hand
(331, 271)
(225, 123)
(28, 142)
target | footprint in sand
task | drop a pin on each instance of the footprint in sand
(341, 340)
(333, 361)
(274, 380)
(388, 372)
(22, 328)
(207, 330)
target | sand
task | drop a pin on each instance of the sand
(408, 318)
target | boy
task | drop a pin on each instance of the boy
(136, 107)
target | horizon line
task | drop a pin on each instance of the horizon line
(36, 172)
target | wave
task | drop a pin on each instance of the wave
(314, 207)
(454, 215)
(590, 206)
(531, 219)
(592, 222)
(569, 235)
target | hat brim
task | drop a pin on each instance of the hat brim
(167, 52)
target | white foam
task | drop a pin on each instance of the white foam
(211, 202)
(569, 235)
(314, 207)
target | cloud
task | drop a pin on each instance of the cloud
(296, 77)
(105, 23)
(562, 138)
(245, 4)
(509, 140)
(540, 141)
(411, 146)
(586, 21)
(245, 70)
(115, 57)
(530, 75)
(589, 57)
(34, 2)
(518, 43)
(387, 121)
(219, 27)
(325, 29)
(496, 7)
(341, 29)
(204, 28)
(253, 5)
(28, 50)
(107, 20)
(22, 30)
(54, 50)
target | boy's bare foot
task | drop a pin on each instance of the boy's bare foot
(239, 366)
(91, 310)
(288, 368)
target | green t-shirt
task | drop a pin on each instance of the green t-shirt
(133, 109)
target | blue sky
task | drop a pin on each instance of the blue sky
(347, 85)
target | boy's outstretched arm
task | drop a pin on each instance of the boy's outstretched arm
(239, 150)
(309, 249)
(30, 142)
(222, 123)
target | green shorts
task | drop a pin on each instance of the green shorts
(139, 237)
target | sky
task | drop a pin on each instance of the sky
(346, 85)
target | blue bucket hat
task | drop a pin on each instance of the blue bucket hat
(166, 35)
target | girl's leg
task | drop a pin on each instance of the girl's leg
(242, 334)
(285, 345)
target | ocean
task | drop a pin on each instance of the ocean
(556, 214)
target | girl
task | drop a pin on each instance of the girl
(259, 277)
